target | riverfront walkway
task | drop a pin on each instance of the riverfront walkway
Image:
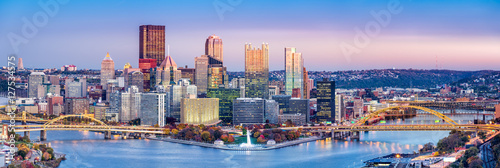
(237, 148)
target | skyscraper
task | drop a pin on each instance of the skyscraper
(201, 68)
(188, 73)
(213, 47)
(152, 43)
(257, 71)
(226, 97)
(146, 65)
(107, 71)
(307, 90)
(167, 73)
(326, 100)
(20, 65)
(294, 67)
(35, 79)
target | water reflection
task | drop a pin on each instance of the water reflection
(89, 149)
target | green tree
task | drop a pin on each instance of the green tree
(205, 135)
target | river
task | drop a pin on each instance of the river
(89, 149)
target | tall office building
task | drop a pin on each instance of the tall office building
(189, 73)
(77, 88)
(283, 101)
(226, 97)
(271, 112)
(152, 43)
(307, 90)
(146, 65)
(20, 65)
(213, 47)
(177, 92)
(154, 106)
(299, 106)
(201, 68)
(325, 100)
(339, 108)
(130, 104)
(136, 78)
(257, 71)
(294, 75)
(167, 73)
(35, 79)
(107, 70)
(248, 111)
(217, 76)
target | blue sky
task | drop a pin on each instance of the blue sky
(463, 35)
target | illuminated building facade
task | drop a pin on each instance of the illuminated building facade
(294, 75)
(199, 110)
(146, 65)
(325, 101)
(257, 71)
(152, 43)
(213, 47)
(107, 70)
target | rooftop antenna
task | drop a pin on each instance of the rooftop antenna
(168, 50)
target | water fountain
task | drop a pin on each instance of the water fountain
(249, 142)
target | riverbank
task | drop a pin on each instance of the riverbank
(258, 147)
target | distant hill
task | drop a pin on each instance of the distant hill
(403, 78)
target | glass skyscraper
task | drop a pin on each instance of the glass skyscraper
(294, 75)
(257, 71)
(226, 98)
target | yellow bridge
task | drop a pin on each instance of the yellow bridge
(92, 124)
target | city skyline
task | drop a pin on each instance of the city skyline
(427, 40)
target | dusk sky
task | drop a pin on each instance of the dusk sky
(462, 35)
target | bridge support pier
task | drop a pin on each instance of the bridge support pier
(43, 135)
(355, 135)
(107, 134)
(27, 133)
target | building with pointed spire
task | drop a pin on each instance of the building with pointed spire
(167, 73)
(20, 65)
(107, 70)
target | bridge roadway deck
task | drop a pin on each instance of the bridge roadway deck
(414, 127)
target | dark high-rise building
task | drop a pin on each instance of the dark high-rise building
(152, 43)
(257, 71)
(299, 106)
(226, 98)
(325, 100)
(283, 101)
